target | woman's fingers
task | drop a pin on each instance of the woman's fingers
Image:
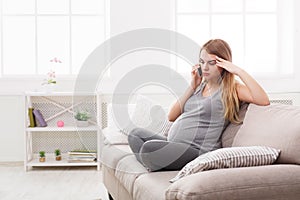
(220, 59)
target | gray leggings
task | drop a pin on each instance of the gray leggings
(156, 153)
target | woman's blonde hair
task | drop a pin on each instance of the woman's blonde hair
(230, 99)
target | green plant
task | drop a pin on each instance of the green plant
(42, 154)
(82, 115)
(57, 152)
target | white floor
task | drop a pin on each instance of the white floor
(50, 183)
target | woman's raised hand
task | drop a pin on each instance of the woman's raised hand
(227, 65)
(196, 79)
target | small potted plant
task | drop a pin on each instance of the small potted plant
(57, 154)
(82, 118)
(42, 156)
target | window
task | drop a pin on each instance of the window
(256, 30)
(37, 31)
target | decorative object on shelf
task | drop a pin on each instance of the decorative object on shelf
(50, 82)
(82, 118)
(51, 78)
(57, 154)
(42, 156)
(39, 118)
(60, 123)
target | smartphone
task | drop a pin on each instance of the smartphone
(200, 71)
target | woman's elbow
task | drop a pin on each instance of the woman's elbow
(263, 102)
(266, 102)
(171, 118)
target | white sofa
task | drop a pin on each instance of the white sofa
(275, 125)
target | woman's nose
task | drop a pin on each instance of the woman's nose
(205, 66)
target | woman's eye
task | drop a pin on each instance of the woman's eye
(201, 61)
(212, 62)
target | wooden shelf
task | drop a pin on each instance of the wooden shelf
(50, 161)
(65, 128)
(58, 94)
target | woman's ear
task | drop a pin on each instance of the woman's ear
(223, 73)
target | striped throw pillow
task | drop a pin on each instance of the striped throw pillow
(229, 158)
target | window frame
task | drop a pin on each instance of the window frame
(280, 23)
(70, 75)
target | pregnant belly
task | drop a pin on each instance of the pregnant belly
(197, 132)
(186, 130)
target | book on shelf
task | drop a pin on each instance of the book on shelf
(39, 118)
(82, 156)
(83, 152)
(81, 159)
(31, 118)
(36, 119)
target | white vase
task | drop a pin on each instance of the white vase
(49, 88)
(82, 123)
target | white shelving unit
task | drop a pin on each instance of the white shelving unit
(62, 106)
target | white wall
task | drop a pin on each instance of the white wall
(12, 128)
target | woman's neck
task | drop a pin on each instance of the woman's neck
(210, 88)
(213, 84)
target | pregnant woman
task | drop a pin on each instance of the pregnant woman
(202, 113)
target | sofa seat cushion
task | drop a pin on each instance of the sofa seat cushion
(274, 126)
(112, 154)
(152, 186)
(261, 182)
(127, 171)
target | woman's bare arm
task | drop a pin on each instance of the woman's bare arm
(251, 92)
(177, 107)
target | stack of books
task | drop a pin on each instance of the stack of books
(36, 119)
(82, 156)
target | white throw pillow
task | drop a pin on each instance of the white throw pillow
(229, 158)
(149, 115)
(114, 109)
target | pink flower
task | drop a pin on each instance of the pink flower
(55, 60)
(51, 74)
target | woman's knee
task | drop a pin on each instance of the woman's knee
(134, 134)
(152, 145)
(135, 131)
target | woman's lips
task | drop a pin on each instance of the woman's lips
(205, 74)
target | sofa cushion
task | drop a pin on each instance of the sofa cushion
(275, 126)
(229, 158)
(127, 170)
(274, 182)
(232, 129)
(113, 135)
(114, 119)
(150, 115)
(152, 186)
(112, 154)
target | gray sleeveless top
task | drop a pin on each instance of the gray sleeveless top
(201, 122)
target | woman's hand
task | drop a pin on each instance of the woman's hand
(228, 66)
(251, 92)
(196, 79)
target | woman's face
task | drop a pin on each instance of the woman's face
(210, 71)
